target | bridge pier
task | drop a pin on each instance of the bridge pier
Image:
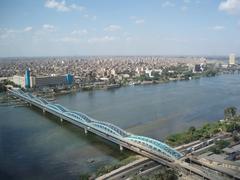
(121, 148)
(44, 111)
(85, 130)
(61, 119)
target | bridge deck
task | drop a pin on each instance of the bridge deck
(151, 148)
(107, 130)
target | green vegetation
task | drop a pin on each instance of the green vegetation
(210, 73)
(230, 113)
(87, 88)
(145, 77)
(193, 134)
(231, 124)
(188, 75)
(162, 174)
(180, 72)
(108, 168)
(128, 158)
(217, 149)
(2, 88)
(124, 82)
(6, 82)
(84, 177)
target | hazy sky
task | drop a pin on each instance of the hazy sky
(119, 27)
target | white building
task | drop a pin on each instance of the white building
(158, 70)
(41, 81)
(113, 72)
(232, 60)
(149, 72)
(19, 80)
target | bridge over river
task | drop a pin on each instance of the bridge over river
(151, 148)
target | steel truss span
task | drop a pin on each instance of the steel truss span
(153, 145)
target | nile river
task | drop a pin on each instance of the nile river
(34, 146)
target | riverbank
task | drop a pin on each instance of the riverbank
(148, 81)
(132, 82)
(113, 166)
(206, 132)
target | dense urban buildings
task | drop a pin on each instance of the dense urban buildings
(104, 71)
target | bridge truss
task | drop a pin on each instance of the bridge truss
(105, 127)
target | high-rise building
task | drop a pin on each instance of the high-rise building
(27, 78)
(49, 81)
(232, 60)
(70, 79)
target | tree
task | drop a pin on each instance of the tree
(217, 149)
(222, 144)
(230, 127)
(230, 112)
(210, 73)
(188, 74)
(156, 75)
(191, 129)
(84, 177)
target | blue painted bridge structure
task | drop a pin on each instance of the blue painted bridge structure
(146, 146)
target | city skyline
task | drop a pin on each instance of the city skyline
(71, 27)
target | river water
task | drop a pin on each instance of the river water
(34, 146)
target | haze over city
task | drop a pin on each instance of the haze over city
(106, 27)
